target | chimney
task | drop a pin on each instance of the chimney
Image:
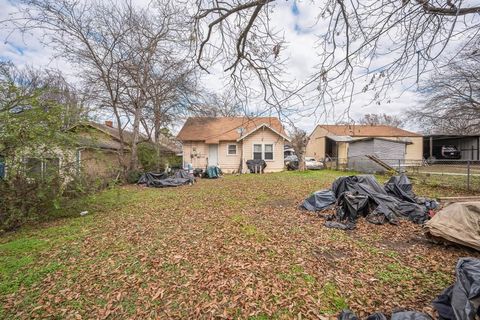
(109, 123)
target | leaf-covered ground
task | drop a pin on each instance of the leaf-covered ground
(235, 247)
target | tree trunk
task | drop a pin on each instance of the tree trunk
(136, 129)
(301, 159)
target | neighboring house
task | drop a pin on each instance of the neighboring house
(228, 142)
(95, 153)
(334, 141)
(99, 147)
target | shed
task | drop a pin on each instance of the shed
(391, 152)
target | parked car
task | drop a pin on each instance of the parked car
(312, 164)
(445, 152)
(291, 162)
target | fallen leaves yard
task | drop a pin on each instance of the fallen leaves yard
(235, 247)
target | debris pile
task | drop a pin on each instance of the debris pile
(162, 180)
(362, 196)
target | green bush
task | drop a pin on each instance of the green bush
(24, 199)
(133, 176)
(151, 161)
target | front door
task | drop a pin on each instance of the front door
(213, 154)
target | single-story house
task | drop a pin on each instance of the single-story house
(228, 142)
(95, 153)
(334, 141)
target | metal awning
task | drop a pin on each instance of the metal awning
(339, 138)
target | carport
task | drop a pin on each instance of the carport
(469, 145)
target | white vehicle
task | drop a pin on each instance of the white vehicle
(312, 164)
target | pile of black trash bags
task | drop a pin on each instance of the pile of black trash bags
(461, 301)
(164, 179)
(362, 196)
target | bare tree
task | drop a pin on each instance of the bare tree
(224, 104)
(128, 56)
(299, 141)
(375, 119)
(452, 97)
(413, 33)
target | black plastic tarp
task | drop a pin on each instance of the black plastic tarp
(362, 196)
(400, 315)
(462, 299)
(383, 206)
(400, 187)
(410, 315)
(162, 180)
(319, 200)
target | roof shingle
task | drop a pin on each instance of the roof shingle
(213, 130)
(368, 131)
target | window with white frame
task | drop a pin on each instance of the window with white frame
(257, 152)
(232, 149)
(263, 151)
(268, 151)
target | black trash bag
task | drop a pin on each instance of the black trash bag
(319, 200)
(377, 316)
(347, 315)
(400, 187)
(462, 300)
(339, 225)
(410, 315)
(256, 165)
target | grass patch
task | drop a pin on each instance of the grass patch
(233, 233)
(395, 273)
(297, 274)
(332, 300)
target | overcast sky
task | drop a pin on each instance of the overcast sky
(294, 19)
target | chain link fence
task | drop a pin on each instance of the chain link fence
(459, 174)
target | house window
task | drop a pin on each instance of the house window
(257, 151)
(232, 149)
(34, 167)
(38, 168)
(51, 167)
(268, 152)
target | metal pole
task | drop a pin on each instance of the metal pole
(431, 146)
(399, 165)
(468, 175)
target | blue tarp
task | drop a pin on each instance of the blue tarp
(213, 172)
(2, 168)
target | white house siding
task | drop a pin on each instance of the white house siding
(196, 153)
(229, 163)
(265, 136)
